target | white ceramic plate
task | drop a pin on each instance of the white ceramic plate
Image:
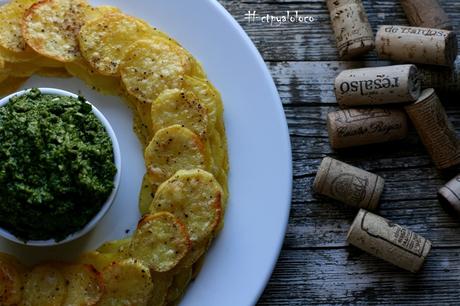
(242, 258)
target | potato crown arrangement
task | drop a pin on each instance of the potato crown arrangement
(178, 117)
(376, 104)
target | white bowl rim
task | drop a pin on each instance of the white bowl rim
(117, 160)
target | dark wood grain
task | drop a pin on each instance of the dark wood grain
(337, 276)
(314, 42)
(316, 265)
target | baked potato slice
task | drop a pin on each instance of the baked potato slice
(142, 121)
(143, 109)
(146, 195)
(219, 168)
(206, 95)
(10, 84)
(179, 284)
(197, 69)
(11, 38)
(97, 259)
(117, 247)
(51, 27)
(95, 12)
(21, 70)
(58, 40)
(107, 85)
(161, 284)
(51, 72)
(153, 65)
(104, 40)
(175, 106)
(18, 57)
(140, 130)
(127, 282)
(45, 285)
(171, 149)
(160, 241)
(27, 69)
(197, 266)
(195, 197)
(210, 97)
(84, 285)
(197, 251)
(11, 280)
(5, 71)
(46, 62)
(138, 126)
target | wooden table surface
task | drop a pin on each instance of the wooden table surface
(316, 265)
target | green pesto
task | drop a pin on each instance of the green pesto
(56, 166)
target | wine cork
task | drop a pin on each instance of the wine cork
(435, 130)
(444, 79)
(348, 184)
(426, 13)
(377, 85)
(352, 30)
(416, 45)
(355, 127)
(450, 193)
(388, 241)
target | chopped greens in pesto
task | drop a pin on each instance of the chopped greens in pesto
(56, 165)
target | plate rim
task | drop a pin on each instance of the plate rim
(287, 182)
(279, 107)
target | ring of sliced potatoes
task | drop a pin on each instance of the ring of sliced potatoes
(178, 117)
